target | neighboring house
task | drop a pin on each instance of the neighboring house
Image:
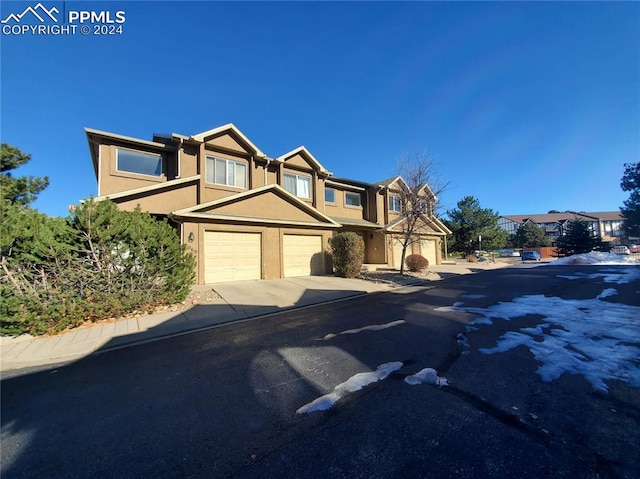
(607, 225)
(246, 215)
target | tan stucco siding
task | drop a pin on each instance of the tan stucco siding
(299, 161)
(227, 142)
(341, 209)
(113, 181)
(215, 192)
(265, 206)
(189, 161)
(163, 202)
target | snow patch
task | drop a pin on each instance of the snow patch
(374, 327)
(617, 277)
(455, 307)
(427, 375)
(354, 383)
(607, 292)
(594, 338)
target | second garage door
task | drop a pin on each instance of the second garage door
(302, 255)
(232, 256)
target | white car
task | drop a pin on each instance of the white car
(620, 250)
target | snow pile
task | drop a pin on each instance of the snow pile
(354, 383)
(595, 258)
(427, 375)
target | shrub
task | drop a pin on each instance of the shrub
(99, 263)
(348, 254)
(416, 263)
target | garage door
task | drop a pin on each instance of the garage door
(231, 256)
(302, 255)
(428, 250)
(397, 253)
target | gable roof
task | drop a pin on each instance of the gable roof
(208, 210)
(439, 228)
(229, 127)
(305, 153)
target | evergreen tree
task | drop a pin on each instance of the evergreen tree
(22, 190)
(469, 221)
(631, 210)
(530, 235)
(579, 238)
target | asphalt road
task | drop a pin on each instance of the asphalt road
(223, 402)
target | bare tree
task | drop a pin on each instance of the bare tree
(418, 188)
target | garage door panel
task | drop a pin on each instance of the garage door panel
(232, 256)
(428, 250)
(302, 255)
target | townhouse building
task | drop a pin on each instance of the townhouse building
(246, 215)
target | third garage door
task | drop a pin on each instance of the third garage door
(302, 255)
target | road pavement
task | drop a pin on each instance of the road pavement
(223, 402)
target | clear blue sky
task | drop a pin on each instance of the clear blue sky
(526, 106)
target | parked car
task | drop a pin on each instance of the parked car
(634, 248)
(530, 255)
(620, 250)
(508, 253)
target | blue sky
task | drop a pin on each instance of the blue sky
(526, 106)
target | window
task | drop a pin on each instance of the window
(298, 185)
(138, 162)
(329, 195)
(226, 172)
(352, 199)
(395, 204)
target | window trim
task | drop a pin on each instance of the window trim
(138, 152)
(297, 177)
(346, 196)
(227, 162)
(392, 202)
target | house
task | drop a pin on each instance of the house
(246, 215)
(607, 225)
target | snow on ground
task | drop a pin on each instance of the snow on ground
(354, 383)
(592, 337)
(595, 258)
(374, 327)
(427, 375)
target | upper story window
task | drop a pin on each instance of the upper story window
(352, 199)
(329, 195)
(226, 172)
(139, 162)
(298, 185)
(395, 205)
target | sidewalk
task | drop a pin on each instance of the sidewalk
(214, 305)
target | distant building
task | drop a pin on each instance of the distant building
(607, 225)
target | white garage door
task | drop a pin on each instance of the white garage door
(428, 250)
(231, 256)
(397, 253)
(302, 255)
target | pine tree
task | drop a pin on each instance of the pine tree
(22, 190)
(579, 238)
(469, 221)
(631, 210)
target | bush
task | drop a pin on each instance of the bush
(99, 263)
(348, 254)
(416, 263)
